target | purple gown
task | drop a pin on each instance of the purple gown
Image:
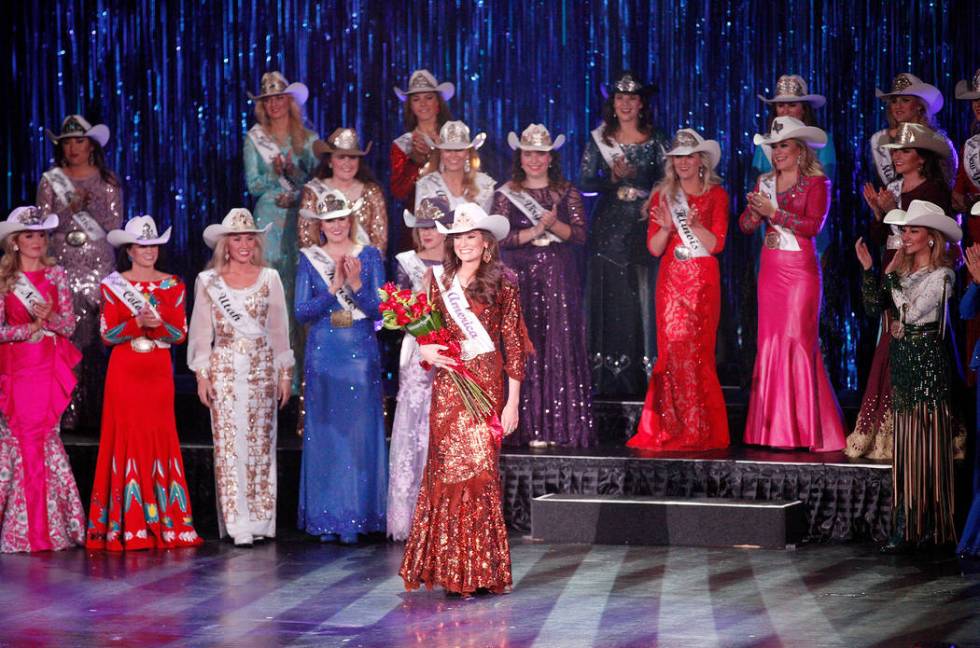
(556, 401)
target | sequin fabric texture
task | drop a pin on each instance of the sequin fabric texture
(371, 216)
(458, 539)
(87, 265)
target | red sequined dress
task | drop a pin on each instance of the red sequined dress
(140, 498)
(458, 538)
(684, 407)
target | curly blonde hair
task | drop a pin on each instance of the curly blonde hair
(470, 189)
(297, 131)
(809, 164)
(219, 258)
(10, 262)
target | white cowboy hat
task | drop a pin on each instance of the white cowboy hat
(141, 230)
(922, 213)
(975, 210)
(784, 128)
(688, 141)
(535, 138)
(455, 136)
(918, 136)
(274, 84)
(345, 142)
(328, 205)
(969, 91)
(792, 88)
(237, 221)
(78, 126)
(470, 216)
(423, 81)
(428, 213)
(909, 85)
(27, 219)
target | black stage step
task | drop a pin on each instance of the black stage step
(678, 521)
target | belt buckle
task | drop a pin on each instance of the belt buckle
(681, 253)
(626, 194)
(142, 344)
(341, 319)
(76, 238)
(772, 240)
(897, 329)
(541, 241)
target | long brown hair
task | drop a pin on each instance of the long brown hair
(486, 282)
(644, 119)
(556, 179)
(324, 170)
(10, 262)
(297, 131)
(412, 122)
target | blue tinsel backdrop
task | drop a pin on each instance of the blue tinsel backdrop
(169, 78)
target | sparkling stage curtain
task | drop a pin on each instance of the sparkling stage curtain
(169, 78)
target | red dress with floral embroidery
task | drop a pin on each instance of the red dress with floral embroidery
(684, 407)
(140, 499)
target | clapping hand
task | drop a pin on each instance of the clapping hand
(896, 261)
(864, 257)
(420, 148)
(973, 262)
(147, 319)
(622, 169)
(548, 218)
(661, 214)
(352, 271)
(41, 310)
(760, 205)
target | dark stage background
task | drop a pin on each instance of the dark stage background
(169, 79)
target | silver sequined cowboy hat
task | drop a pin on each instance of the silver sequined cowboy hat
(344, 141)
(27, 219)
(237, 221)
(627, 83)
(274, 84)
(688, 141)
(535, 138)
(78, 126)
(429, 212)
(331, 204)
(455, 136)
(141, 230)
(424, 81)
(918, 136)
(791, 88)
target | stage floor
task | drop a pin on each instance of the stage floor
(297, 592)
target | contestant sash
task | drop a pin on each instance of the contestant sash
(404, 142)
(268, 150)
(60, 183)
(894, 240)
(530, 208)
(413, 266)
(477, 340)
(326, 268)
(433, 185)
(787, 240)
(882, 158)
(609, 151)
(971, 160)
(319, 188)
(27, 293)
(679, 213)
(119, 286)
(231, 306)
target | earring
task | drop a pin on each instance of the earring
(16, 248)
(700, 173)
(227, 256)
(932, 243)
(466, 166)
(799, 160)
(487, 256)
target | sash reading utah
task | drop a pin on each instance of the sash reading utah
(326, 268)
(787, 240)
(413, 266)
(63, 191)
(268, 151)
(971, 159)
(609, 152)
(882, 158)
(477, 340)
(530, 208)
(894, 239)
(679, 213)
(231, 306)
(128, 294)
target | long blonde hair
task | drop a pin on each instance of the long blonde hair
(297, 131)
(809, 164)
(219, 259)
(10, 262)
(940, 254)
(470, 189)
(671, 184)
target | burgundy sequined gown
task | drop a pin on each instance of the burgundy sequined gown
(556, 403)
(458, 538)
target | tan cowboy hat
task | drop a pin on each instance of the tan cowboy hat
(141, 230)
(784, 128)
(78, 126)
(969, 91)
(909, 85)
(428, 213)
(470, 216)
(922, 213)
(27, 219)
(918, 136)
(329, 204)
(455, 136)
(791, 88)
(274, 84)
(237, 221)
(535, 138)
(688, 141)
(424, 81)
(344, 141)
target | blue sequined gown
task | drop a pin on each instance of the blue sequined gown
(970, 538)
(343, 478)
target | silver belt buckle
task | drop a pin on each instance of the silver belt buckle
(681, 253)
(76, 238)
(142, 344)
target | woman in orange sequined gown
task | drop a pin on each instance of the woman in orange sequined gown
(458, 538)
(684, 408)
